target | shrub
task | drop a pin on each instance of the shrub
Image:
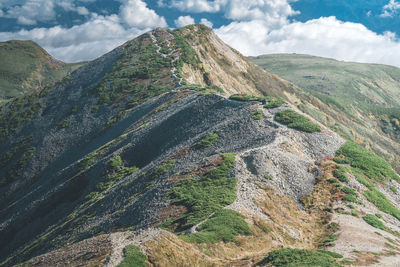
(340, 173)
(274, 103)
(245, 98)
(133, 257)
(394, 189)
(63, 123)
(163, 169)
(215, 190)
(299, 258)
(381, 202)
(207, 141)
(351, 195)
(374, 221)
(224, 225)
(116, 163)
(370, 164)
(296, 121)
(257, 114)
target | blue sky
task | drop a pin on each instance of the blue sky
(76, 30)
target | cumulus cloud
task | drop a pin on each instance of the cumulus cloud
(32, 12)
(95, 37)
(206, 22)
(273, 12)
(390, 9)
(327, 37)
(135, 13)
(196, 6)
(183, 21)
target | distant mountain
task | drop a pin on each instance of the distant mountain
(25, 66)
(361, 101)
(175, 150)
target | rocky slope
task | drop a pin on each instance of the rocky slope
(140, 157)
(361, 101)
(25, 66)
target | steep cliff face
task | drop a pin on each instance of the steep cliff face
(141, 156)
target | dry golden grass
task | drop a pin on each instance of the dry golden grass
(289, 226)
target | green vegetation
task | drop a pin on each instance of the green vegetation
(274, 103)
(246, 98)
(287, 257)
(206, 195)
(268, 177)
(224, 225)
(393, 189)
(366, 165)
(351, 194)
(370, 164)
(331, 89)
(381, 202)
(25, 66)
(209, 140)
(340, 173)
(374, 221)
(133, 257)
(18, 112)
(296, 121)
(116, 163)
(64, 123)
(163, 169)
(15, 159)
(257, 114)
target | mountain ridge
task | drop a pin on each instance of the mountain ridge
(142, 147)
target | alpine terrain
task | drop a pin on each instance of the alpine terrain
(176, 150)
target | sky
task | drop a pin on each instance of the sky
(78, 30)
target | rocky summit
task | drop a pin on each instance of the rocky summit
(176, 150)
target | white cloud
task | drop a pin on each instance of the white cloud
(34, 11)
(95, 37)
(273, 12)
(390, 9)
(135, 13)
(196, 6)
(327, 37)
(183, 21)
(206, 22)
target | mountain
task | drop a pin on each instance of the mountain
(25, 66)
(175, 150)
(361, 101)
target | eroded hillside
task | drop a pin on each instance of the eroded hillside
(361, 101)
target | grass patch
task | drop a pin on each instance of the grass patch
(381, 202)
(245, 98)
(224, 225)
(296, 121)
(340, 173)
(163, 169)
(299, 257)
(133, 257)
(351, 195)
(207, 141)
(215, 190)
(274, 103)
(374, 221)
(370, 164)
(257, 114)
